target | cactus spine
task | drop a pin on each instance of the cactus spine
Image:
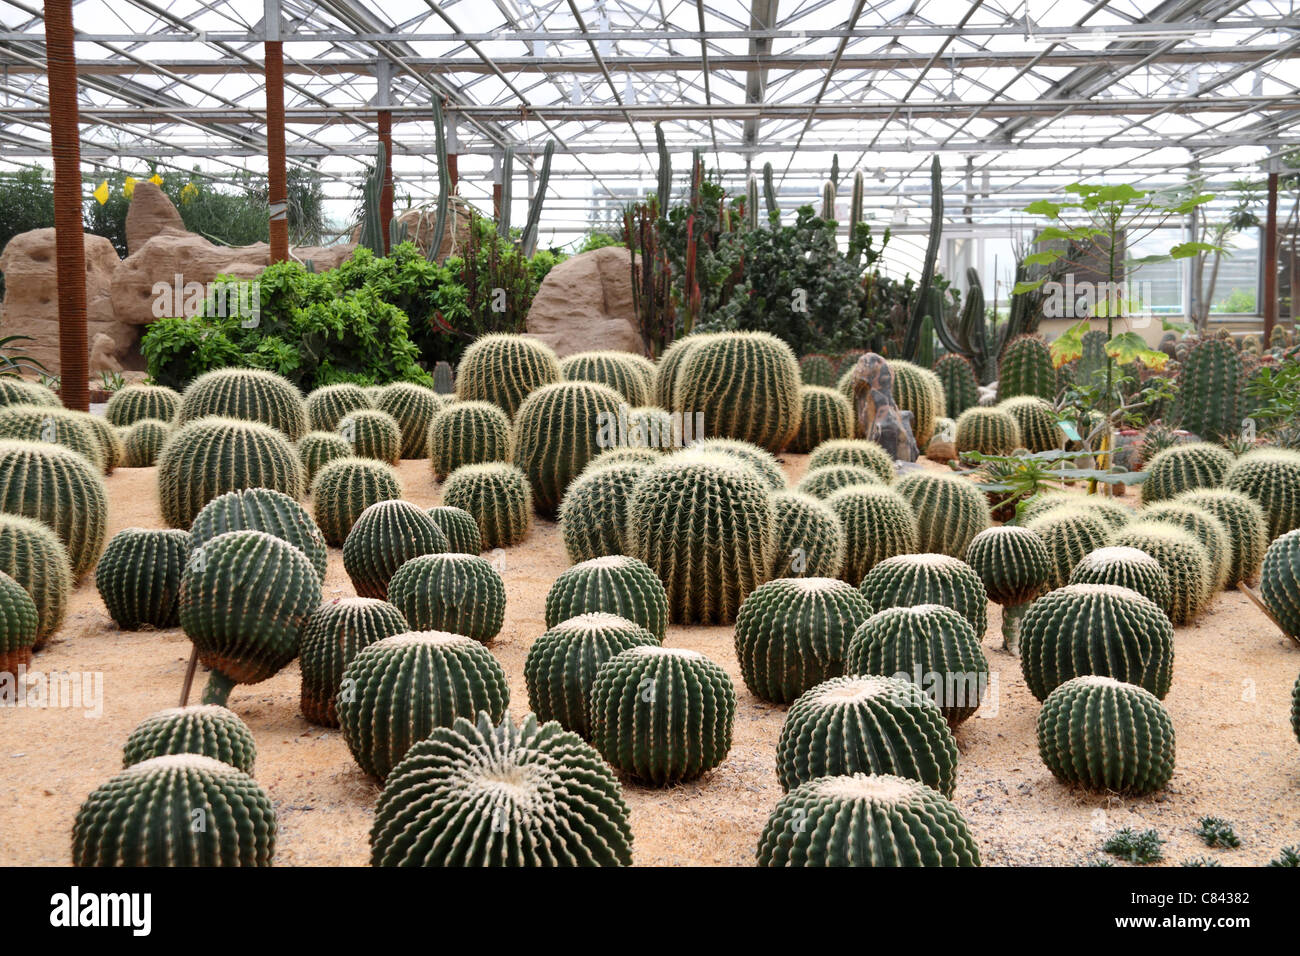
(498, 496)
(139, 577)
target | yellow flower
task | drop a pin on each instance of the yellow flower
(101, 192)
(156, 179)
(128, 187)
(188, 192)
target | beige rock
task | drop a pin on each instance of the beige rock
(150, 214)
(586, 303)
(420, 221)
(103, 357)
(940, 450)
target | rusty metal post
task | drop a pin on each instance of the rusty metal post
(1270, 261)
(277, 179)
(386, 191)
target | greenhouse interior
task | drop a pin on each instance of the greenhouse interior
(764, 433)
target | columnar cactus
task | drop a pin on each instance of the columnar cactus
(616, 584)
(791, 634)
(1202, 525)
(662, 715)
(867, 724)
(396, 691)
(809, 539)
(53, 427)
(459, 527)
(346, 487)
(137, 402)
(609, 368)
(919, 391)
(561, 664)
(412, 407)
(385, 536)
(949, 511)
(458, 593)
(204, 729)
(245, 596)
(1127, 568)
(61, 489)
(372, 434)
(960, 389)
(147, 814)
(703, 523)
(1037, 422)
(1014, 565)
(208, 457)
(1096, 629)
(989, 431)
(827, 416)
(1106, 735)
(33, 555)
(593, 514)
(1244, 520)
(139, 577)
(1026, 369)
(823, 482)
(557, 431)
(19, 622)
(1279, 583)
(246, 394)
(143, 441)
(747, 386)
(1183, 468)
(445, 805)
(503, 369)
(327, 405)
(1272, 477)
(878, 524)
(764, 463)
(499, 498)
(261, 509)
(318, 449)
(1210, 390)
(333, 635)
(858, 452)
(467, 433)
(1186, 563)
(1068, 534)
(866, 820)
(906, 580)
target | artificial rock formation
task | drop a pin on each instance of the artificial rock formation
(586, 302)
(878, 417)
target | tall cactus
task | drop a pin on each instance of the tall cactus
(751, 203)
(507, 193)
(912, 338)
(665, 192)
(444, 182)
(528, 245)
(769, 195)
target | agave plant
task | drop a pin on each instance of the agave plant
(13, 364)
(1010, 480)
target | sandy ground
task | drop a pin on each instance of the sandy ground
(1230, 703)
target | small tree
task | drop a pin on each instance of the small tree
(1216, 233)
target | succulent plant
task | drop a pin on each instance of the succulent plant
(610, 368)
(960, 389)
(33, 555)
(666, 369)
(139, 577)
(412, 407)
(1026, 369)
(327, 405)
(503, 369)
(396, 691)
(61, 489)
(1184, 559)
(1202, 525)
(649, 428)
(791, 634)
(561, 664)
(624, 456)
(593, 514)
(137, 402)
(1280, 582)
(346, 487)
(204, 729)
(445, 803)
(111, 442)
(1272, 477)
(949, 511)
(989, 431)
(1210, 385)
(246, 394)
(866, 820)
(557, 431)
(1128, 568)
(1114, 514)
(142, 442)
(467, 433)
(19, 622)
(318, 449)
(809, 539)
(877, 524)
(53, 428)
(146, 816)
(1183, 468)
(261, 509)
(1014, 564)
(333, 635)
(208, 457)
(1245, 523)
(824, 481)
(18, 391)
(1036, 420)
(459, 527)
(662, 715)
(859, 452)
(1068, 534)
(1106, 735)
(919, 391)
(386, 536)
(827, 416)
(816, 370)
(764, 463)
(498, 496)
(458, 593)
(372, 434)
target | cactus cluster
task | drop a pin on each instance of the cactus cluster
(327, 405)
(346, 487)
(557, 431)
(1245, 524)
(616, 584)
(1127, 568)
(878, 524)
(1014, 564)
(318, 449)
(1279, 582)
(32, 555)
(906, 580)
(333, 635)
(261, 509)
(385, 536)
(372, 434)
(949, 511)
(457, 593)
(1068, 533)
(139, 577)
(593, 514)
(825, 481)
(467, 433)
(1036, 422)
(808, 539)
(459, 527)
(1205, 528)
(919, 391)
(1210, 387)
(610, 368)
(53, 427)
(858, 452)
(960, 388)
(826, 416)
(137, 402)
(143, 441)
(1026, 369)
(1271, 476)
(498, 496)
(412, 407)
(19, 622)
(208, 730)
(503, 369)
(1185, 562)
(764, 464)
(59, 488)
(245, 394)
(1185, 467)
(989, 431)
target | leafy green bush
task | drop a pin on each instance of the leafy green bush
(599, 240)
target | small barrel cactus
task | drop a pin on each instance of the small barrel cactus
(458, 593)
(858, 452)
(1271, 476)
(1210, 387)
(827, 416)
(1246, 526)
(18, 625)
(824, 481)
(960, 388)
(412, 407)
(593, 514)
(385, 536)
(1279, 584)
(1014, 565)
(327, 405)
(1107, 509)
(1127, 568)
(949, 511)
(670, 363)
(467, 433)
(1068, 534)
(909, 579)
(1184, 559)
(372, 434)
(136, 402)
(611, 369)
(110, 440)
(246, 394)
(792, 633)
(561, 664)
(615, 584)
(60, 488)
(204, 729)
(346, 487)
(333, 635)
(143, 441)
(17, 391)
(446, 804)
(809, 539)
(459, 527)
(662, 715)
(261, 509)
(53, 428)
(1204, 527)
(147, 815)
(318, 449)
(1037, 422)
(1183, 468)
(818, 370)
(139, 577)
(397, 690)
(866, 820)
(763, 463)
(867, 724)
(1026, 369)
(557, 431)
(498, 496)
(33, 555)
(1106, 735)
(919, 391)
(989, 431)
(504, 369)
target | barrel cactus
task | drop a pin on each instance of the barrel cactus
(1026, 369)
(652, 428)
(204, 729)
(859, 452)
(396, 691)
(1103, 734)
(625, 456)
(1204, 527)
(19, 622)
(825, 481)
(615, 584)
(919, 391)
(146, 816)
(385, 536)
(989, 431)
(54, 428)
(412, 407)
(61, 489)
(1185, 467)
(960, 388)
(136, 402)
(817, 370)
(593, 514)
(110, 440)
(1114, 514)
(467, 433)
(557, 431)
(333, 635)
(261, 509)
(139, 577)
(499, 498)
(459, 527)
(866, 820)
(458, 593)
(504, 369)
(1279, 583)
(318, 449)
(1184, 559)
(18, 391)
(1014, 564)
(764, 463)
(668, 365)
(949, 511)
(609, 368)
(445, 803)
(245, 394)
(1245, 523)
(826, 416)
(33, 555)
(1127, 568)
(372, 434)
(1068, 534)
(143, 441)
(906, 580)
(1271, 476)
(1037, 422)
(327, 405)
(662, 715)
(1210, 387)
(809, 539)
(346, 487)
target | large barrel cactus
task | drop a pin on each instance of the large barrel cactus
(333, 635)
(412, 407)
(593, 514)
(143, 442)
(246, 394)
(1104, 507)
(385, 536)
(498, 496)
(136, 402)
(19, 622)
(1184, 559)
(1204, 527)
(503, 369)
(949, 511)
(32, 555)
(459, 527)
(669, 365)
(960, 388)
(824, 481)
(54, 428)
(809, 539)
(1271, 476)
(1210, 390)
(318, 449)
(855, 451)
(919, 391)
(467, 433)
(111, 440)
(327, 405)
(906, 580)
(261, 509)
(1068, 534)
(204, 729)
(615, 584)
(1026, 369)
(1013, 563)
(1128, 568)
(764, 464)
(61, 489)
(458, 593)
(988, 431)
(139, 577)
(610, 368)
(826, 416)
(557, 431)
(18, 391)
(345, 488)
(1180, 468)
(1244, 521)
(817, 370)
(1279, 582)
(878, 524)
(1037, 422)
(372, 434)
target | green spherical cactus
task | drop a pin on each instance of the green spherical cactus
(147, 815)
(989, 431)
(1202, 525)
(1026, 369)
(949, 511)
(459, 527)
(615, 584)
(261, 509)
(385, 536)
(763, 463)
(823, 482)
(55, 428)
(204, 729)
(458, 593)
(333, 635)
(1184, 559)
(19, 622)
(467, 433)
(557, 430)
(662, 715)
(1014, 565)
(504, 369)
(817, 370)
(1127, 568)
(346, 487)
(412, 407)
(1100, 629)
(248, 395)
(644, 367)
(318, 449)
(33, 555)
(17, 391)
(1114, 514)
(60, 488)
(1271, 476)
(1068, 534)
(1183, 468)
(906, 580)
(208, 457)
(1036, 420)
(791, 634)
(746, 384)
(1279, 582)
(611, 369)
(245, 596)
(930, 645)
(139, 577)
(1106, 735)
(498, 496)
(878, 524)
(446, 803)
(396, 691)
(1245, 523)
(109, 440)
(648, 428)
(1210, 383)
(667, 366)
(858, 452)
(960, 388)
(919, 391)
(866, 724)
(561, 664)
(827, 416)
(703, 523)
(866, 820)
(143, 442)
(624, 456)
(593, 514)
(372, 434)
(808, 537)
(327, 405)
